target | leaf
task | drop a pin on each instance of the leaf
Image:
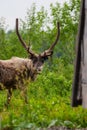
(53, 122)
(69, 124)
(17, 128)
(30, 125)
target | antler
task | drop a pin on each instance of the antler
(23, 43)
(57, 37)
(49, 52)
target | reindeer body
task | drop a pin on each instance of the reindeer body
(15, 72)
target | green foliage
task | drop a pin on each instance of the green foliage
(49, 102)
(2, 38)
(50, 95)
(14, 46)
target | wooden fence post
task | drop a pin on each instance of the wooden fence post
(84, 63)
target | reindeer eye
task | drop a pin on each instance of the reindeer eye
(42, 60)
(46, 58)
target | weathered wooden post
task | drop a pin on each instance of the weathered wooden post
(79, 92)
(84, 62)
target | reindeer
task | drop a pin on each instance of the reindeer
(16, 72)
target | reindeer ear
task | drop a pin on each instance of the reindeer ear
(48, 53)
(30, 56)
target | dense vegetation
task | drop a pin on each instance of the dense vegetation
(50, 95)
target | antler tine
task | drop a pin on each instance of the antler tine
(57, 37)
(20, 39)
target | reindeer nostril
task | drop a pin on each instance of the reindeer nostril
(39, 69)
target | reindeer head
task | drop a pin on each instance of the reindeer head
(38, 59)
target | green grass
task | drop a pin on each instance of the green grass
(42, 111)
(49, 104)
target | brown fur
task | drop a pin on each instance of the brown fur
(14, 72)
